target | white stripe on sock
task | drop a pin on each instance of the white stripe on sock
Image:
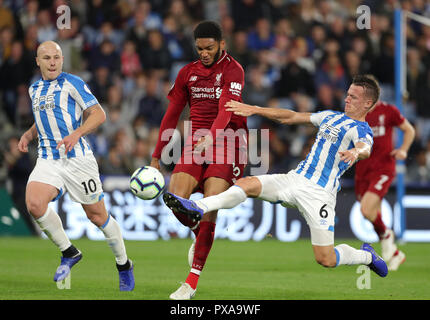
(195, 271)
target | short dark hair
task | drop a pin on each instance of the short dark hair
(208, 29)
(370, 86)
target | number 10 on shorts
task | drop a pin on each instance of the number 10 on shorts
(89, 186)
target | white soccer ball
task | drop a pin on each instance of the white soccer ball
(147, 183)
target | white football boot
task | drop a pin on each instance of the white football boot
(388, 247)
(192, 248)
(191, 253)
(185, 292)
(396, 261)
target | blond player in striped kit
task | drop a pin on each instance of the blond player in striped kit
(60, 102)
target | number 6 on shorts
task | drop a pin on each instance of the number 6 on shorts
(323, 212)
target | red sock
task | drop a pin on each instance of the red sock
(192, 280)
(379, 225)
(204, 242)
(187, 222)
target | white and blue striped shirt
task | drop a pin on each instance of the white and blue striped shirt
(337, 132)
(58, 106)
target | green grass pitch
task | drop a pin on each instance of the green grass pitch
(266, 270)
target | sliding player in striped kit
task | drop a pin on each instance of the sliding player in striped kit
(342, 139)
(65, 161)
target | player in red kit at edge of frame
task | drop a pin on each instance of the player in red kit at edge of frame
(373, 176)
(206, 84)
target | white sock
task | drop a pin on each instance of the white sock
(349, 256)
(50, 223)
(112, 232)
(225, 200)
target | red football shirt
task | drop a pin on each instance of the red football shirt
(205, 90)
(382, 119)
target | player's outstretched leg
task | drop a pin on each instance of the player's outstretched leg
(377, 265)
(184, 206)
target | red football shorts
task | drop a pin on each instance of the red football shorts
(230, 171)
(375, 181)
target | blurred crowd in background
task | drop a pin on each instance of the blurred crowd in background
(299, 55)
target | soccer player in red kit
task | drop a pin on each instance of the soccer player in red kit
(374, 175)
(206, 85)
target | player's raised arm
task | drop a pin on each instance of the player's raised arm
(284, 116)
(95, 116)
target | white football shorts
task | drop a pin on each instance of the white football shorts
(78, 176)
(315, 204)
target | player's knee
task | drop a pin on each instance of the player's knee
(35, 206)
(366, 211)
(250, 185)
(242, 181)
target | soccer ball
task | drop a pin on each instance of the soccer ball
(147, 183)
